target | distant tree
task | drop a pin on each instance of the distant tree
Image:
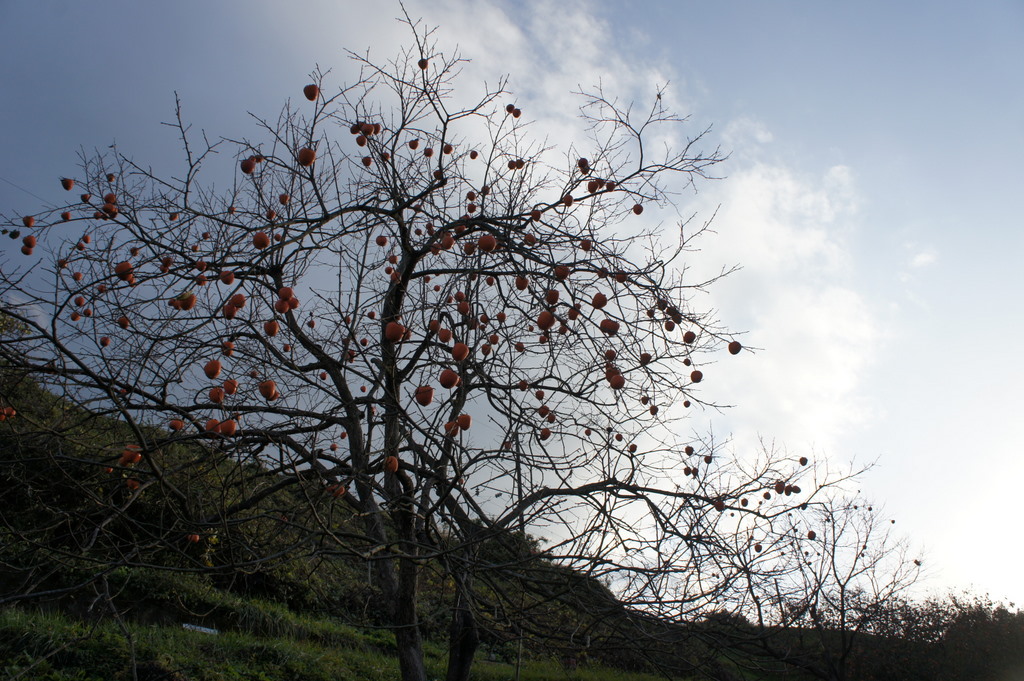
(821, 600)
(956, 637)
(401, 307)
(979, 638)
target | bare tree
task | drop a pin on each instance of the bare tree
(816, 598)
(402, 308)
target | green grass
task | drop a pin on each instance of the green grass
(55, 647)
(102, 651)
(544, 670)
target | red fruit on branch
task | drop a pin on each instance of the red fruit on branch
(123, 270)
(449, 379)
(268, 389)
(487, 243)
(424, 395)
(394, 332)
(212, 368)
(460, 351)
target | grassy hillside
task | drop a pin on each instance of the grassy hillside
(96, 576)
(55, 647)
(97, 579)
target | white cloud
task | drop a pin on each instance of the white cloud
(924, 258)
(776, 223)
(918, 258)
(796, 295)
(741, 132)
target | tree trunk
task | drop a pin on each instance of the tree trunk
(410, 653)
(407, 621)
(399, 594)
(464, 636)
(398, 580)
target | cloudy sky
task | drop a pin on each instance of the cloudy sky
(873, 194)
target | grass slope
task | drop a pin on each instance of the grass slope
(37, 646)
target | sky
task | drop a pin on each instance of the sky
(872, 195)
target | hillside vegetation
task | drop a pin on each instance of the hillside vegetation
(89, 595)
(90, 592)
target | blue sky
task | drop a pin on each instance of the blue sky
(873, 194)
